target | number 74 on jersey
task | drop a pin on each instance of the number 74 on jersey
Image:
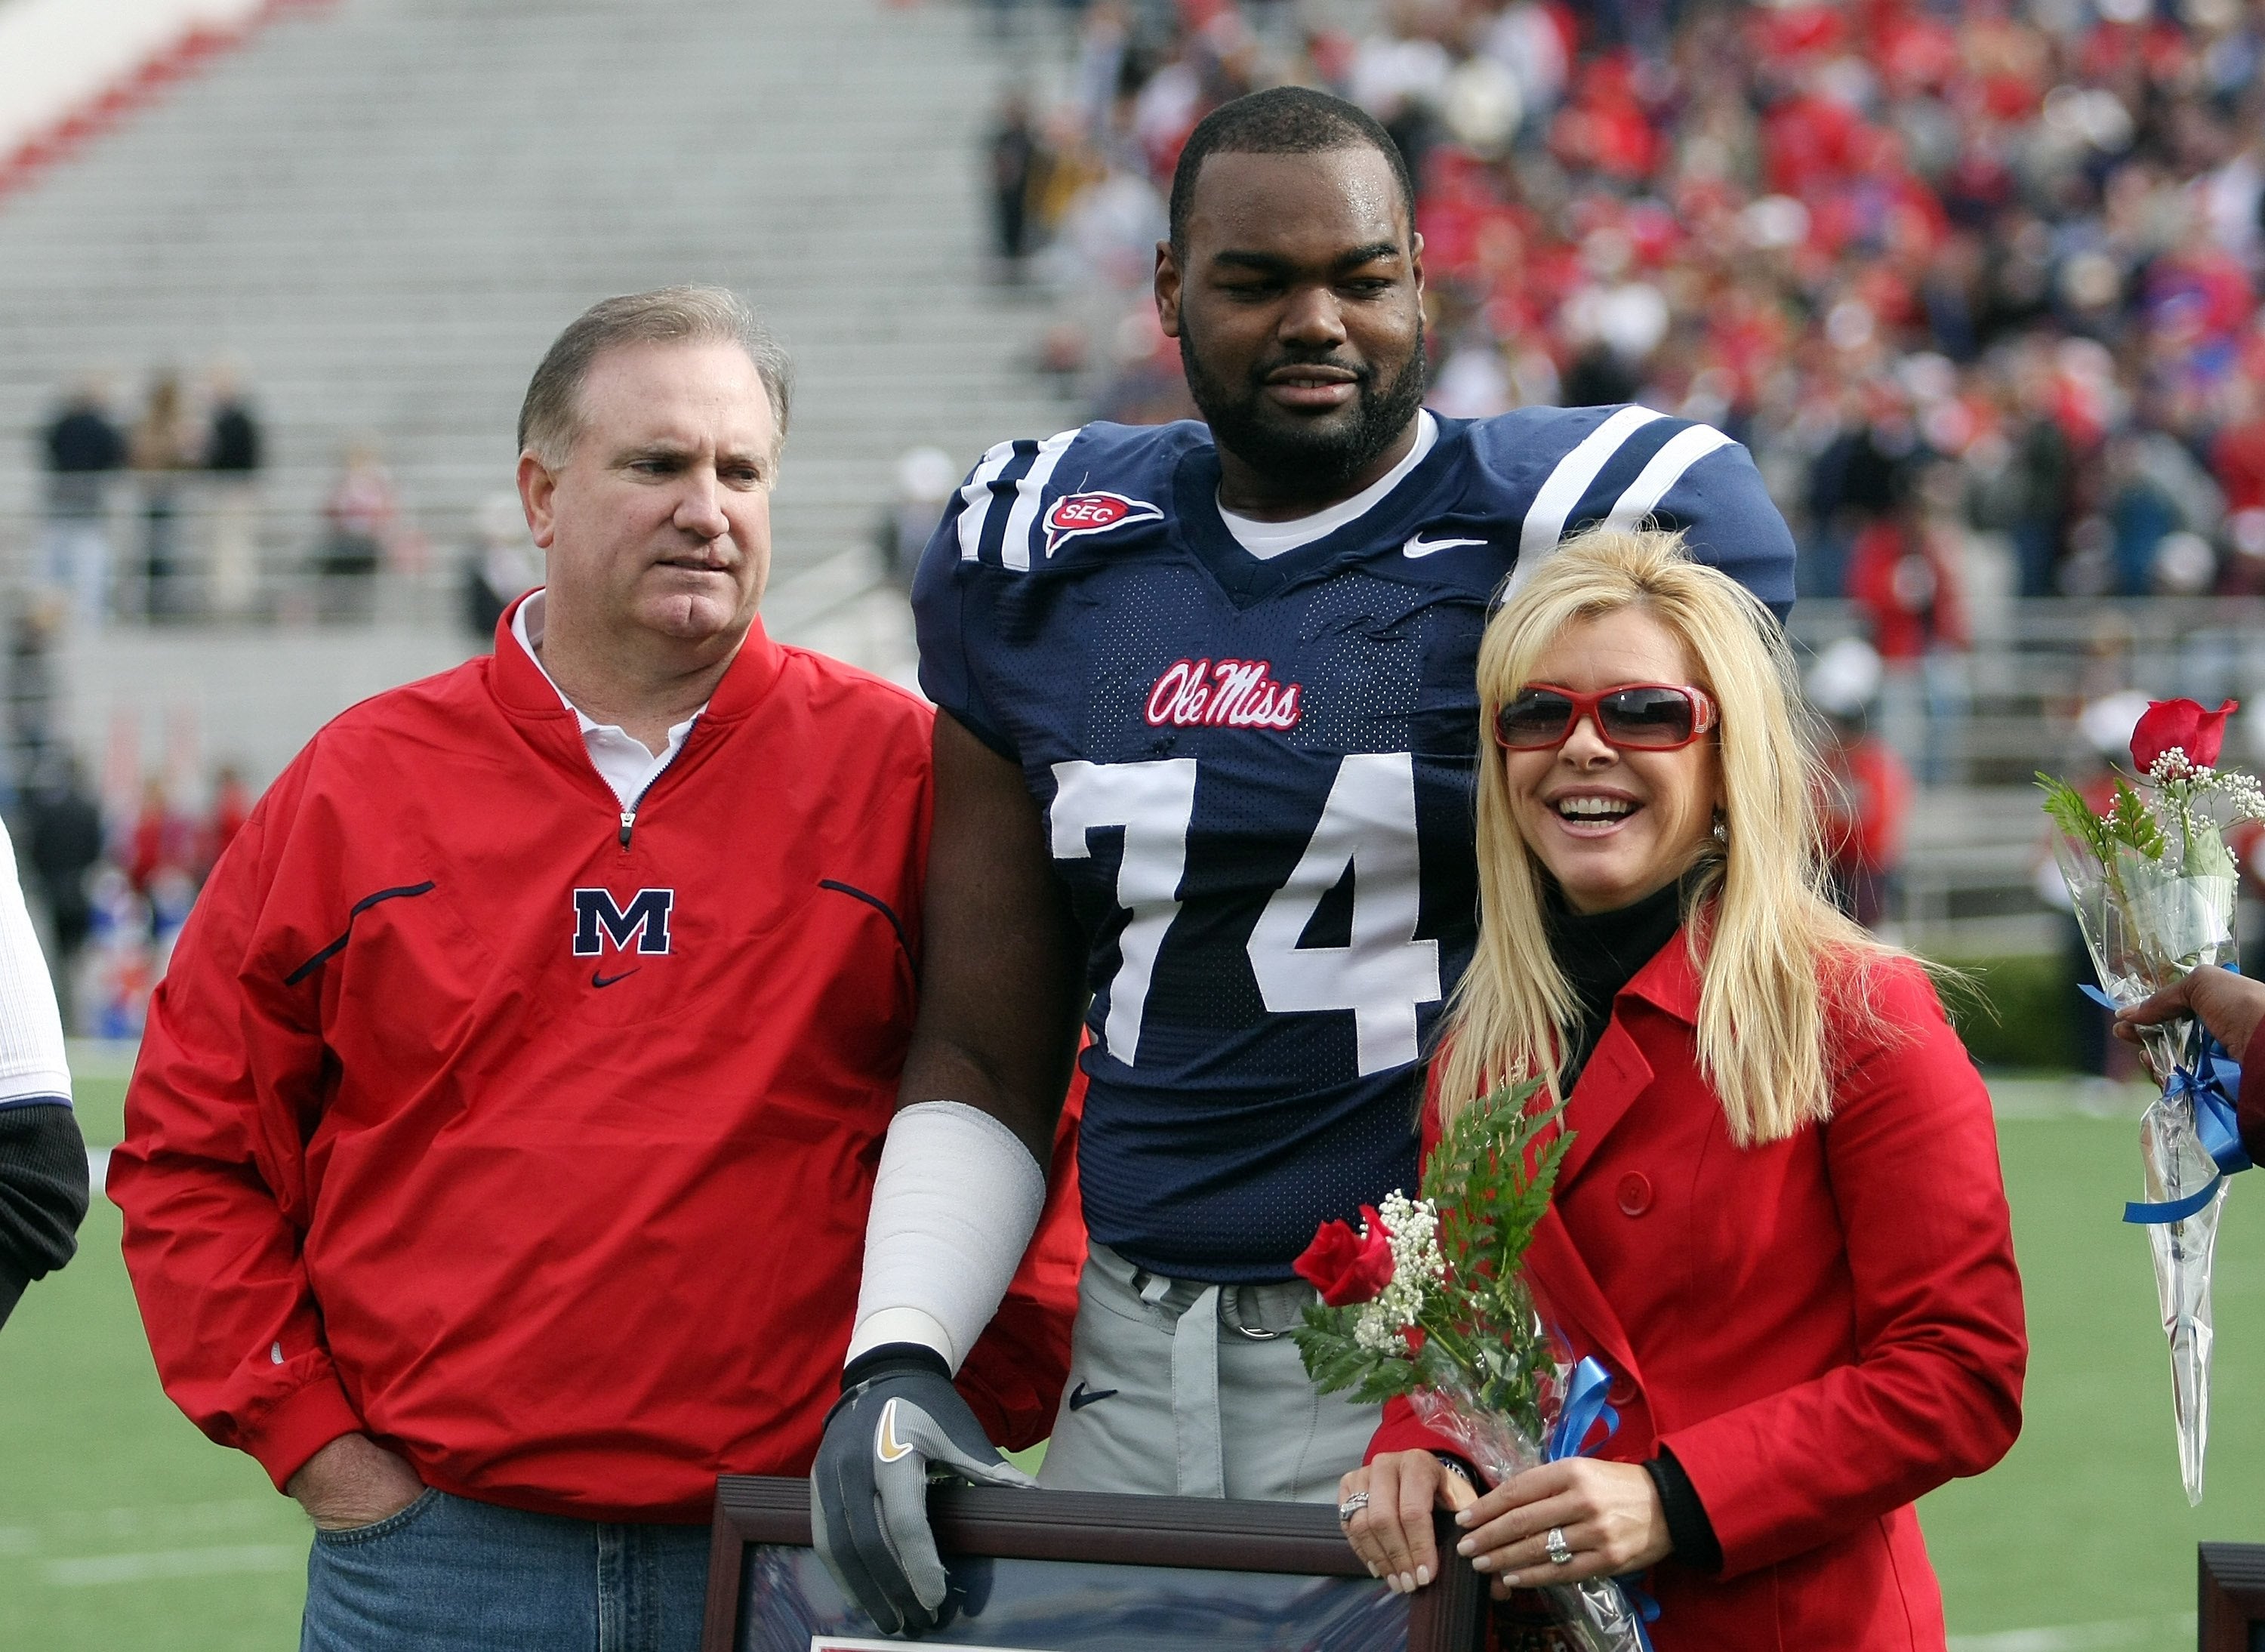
(1368, 825)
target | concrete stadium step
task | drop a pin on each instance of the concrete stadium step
(387, 209)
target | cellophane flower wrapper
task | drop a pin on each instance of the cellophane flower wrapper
(2146, 923)
(1595, 1613)
(1455, 1328)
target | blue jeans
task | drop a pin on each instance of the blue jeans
(448, 1575)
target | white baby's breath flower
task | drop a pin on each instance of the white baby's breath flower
(2243, 795)
(1413, 1229)
(1373, 1330)
(2170, 764)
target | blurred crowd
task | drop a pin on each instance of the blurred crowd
(110, 863)
(162, 516)
(109, 867)
(190, 460)
(115, 886)
(1976, 283)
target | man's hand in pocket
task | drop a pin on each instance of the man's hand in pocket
(352, 1482)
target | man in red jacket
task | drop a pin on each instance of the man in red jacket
(498, 1160)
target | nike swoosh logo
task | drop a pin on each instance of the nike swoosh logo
(886, 1446)
(1419, 546)
(598, 978)
(1081, 1396)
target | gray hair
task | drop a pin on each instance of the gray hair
(550, 418)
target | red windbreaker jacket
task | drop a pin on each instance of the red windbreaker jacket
(1821, 1329)
(535, 1139)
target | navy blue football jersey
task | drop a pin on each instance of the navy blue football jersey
(1257, 777)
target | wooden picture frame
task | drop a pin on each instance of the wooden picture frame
(2230, 1597)
(1198, 1535)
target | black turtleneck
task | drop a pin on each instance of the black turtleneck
(1599, 953)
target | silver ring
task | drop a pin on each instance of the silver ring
(1561, 1552)
(1352, 1506)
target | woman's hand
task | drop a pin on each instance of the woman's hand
(1609, 1512)
(1392, 1534)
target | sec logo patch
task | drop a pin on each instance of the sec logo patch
(1076, 513)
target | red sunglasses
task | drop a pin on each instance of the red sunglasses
(1644, 716)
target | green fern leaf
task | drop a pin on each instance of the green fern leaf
(2073, 815)
(2130, 824)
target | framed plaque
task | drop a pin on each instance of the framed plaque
(2230, 1603)
(1059, 1571)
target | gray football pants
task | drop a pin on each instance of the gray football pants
(1177, 1388)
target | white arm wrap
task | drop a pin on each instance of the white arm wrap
(31, 1066)
(955, 1201)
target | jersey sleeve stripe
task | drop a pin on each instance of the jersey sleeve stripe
(1619, 472)
(976, 497)
(1554, 501)
(1029, 493)
(1004, 487)
(1682, 450)
(45, 1096)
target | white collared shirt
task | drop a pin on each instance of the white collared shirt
(622, 760)
(1269, 540)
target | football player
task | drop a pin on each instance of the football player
(1204, 781)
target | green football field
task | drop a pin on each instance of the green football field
(119, 1525)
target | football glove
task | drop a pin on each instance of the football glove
(898, 1421)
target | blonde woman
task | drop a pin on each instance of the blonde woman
(1779, 1222)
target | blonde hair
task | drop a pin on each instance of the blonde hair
(1774, 953)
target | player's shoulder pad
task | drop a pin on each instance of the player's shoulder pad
(1026, 502)
(1559, 470)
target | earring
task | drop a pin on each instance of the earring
(1722, 828)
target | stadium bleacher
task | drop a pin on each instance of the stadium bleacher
(385, 208)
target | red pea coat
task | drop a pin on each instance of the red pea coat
(1820, 1328)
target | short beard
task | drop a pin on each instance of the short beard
(1305, 460)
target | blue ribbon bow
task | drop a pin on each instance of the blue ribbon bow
(2211, 1084)
(1586, 1405)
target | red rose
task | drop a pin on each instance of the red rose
(1345, 1266)
(2183, 724)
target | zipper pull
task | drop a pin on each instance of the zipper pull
(629, 820)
